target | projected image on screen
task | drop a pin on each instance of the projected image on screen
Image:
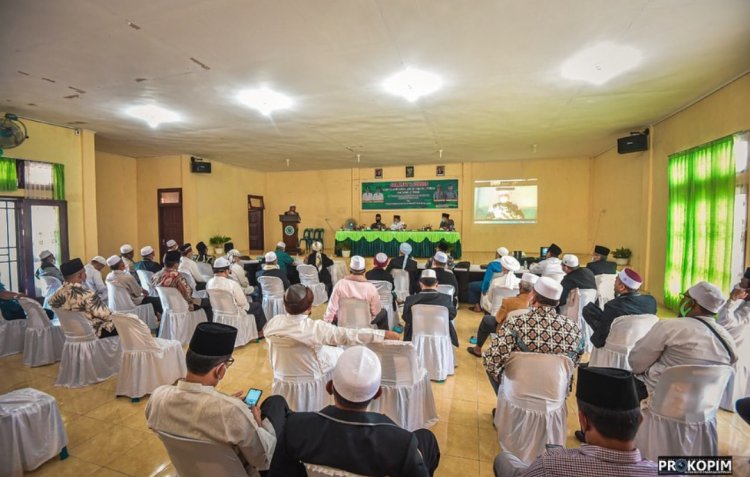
(511, 201)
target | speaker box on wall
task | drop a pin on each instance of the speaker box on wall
(633, 143)
(199, 166)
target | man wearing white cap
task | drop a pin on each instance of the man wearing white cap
(321, 261)
(346, 436)
(694, 339)
(490, 324)
(356, 286)
(477, 289)
(397, 225)
(271, 269)
(575, 277)
(445, 276)
(429, 295)
(378, 271)
(94, 277)
(503, 284)
(147, 262)
(187, 265)
(221, 281)
(405, 262)
(119, 277)
(237, 271)
(541, 330)
(284, 260)
(551, 265)
(47, 268)
(628, 301)
(126, 254)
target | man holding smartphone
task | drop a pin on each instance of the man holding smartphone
(194, 409)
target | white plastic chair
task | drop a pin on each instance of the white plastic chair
(337, 271)
(12, 334)
(573, 309)
(194, 458)
(205, 269)
(432, 340)
(531, 409)
(31, 431)
(680, 417)
(194, 286)
(43, 340)
(52, 284)
(86, 359)
(623, 334)
(298, 375)
(385, 291)
(145, 277)
(400, 283)
(273, 296)
(354, 313)
(227, 312)
(407, 394)
(147, 362)
(120, 301)
(605, 288)
(315, 470)
(446, 289)
(494, 298)
(308, 276)
(177, 321)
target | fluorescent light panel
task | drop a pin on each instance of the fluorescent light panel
(153, 115)
(601, 62)
(412, 84)
(264, 100)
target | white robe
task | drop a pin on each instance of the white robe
(735, 317)
(547, 267)
(94, 282)
(226, 284)
(187, 265)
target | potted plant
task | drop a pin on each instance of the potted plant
(622, 256)
(218, 241)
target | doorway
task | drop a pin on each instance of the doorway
(255, 208)
(169, 204)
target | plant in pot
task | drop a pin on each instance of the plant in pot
(217, 242)
(622, 256)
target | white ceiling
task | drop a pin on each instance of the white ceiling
(500, 61)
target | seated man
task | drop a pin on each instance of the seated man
(221, 281)
(491, 324)
(477, 289)
(599, 264)
(355, 285)
(378, 225)
(11, 309)
(75, 296)
(119, 277)
(194, 409)
(187, 265)
(271, 269)
(446, 223)
(734, 316)
(445, 276)
(442, 246)
(378, 271)
(126, 255)
(694, 339)
(237, 271)
(283, 259)
(321, 261)
(541, 330)
(47, 267)
(172, 246)
(429, 295)
(147, 260)
(170, 277)
(575, 277)
(346, 436)
(397, 224)
(94, 277)
(628, 301)
(404, 262)
(202, 256)
(609, 412)
(551, 265)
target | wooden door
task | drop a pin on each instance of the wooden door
(169, 203)
(255, 210)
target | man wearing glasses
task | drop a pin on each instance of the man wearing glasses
(194, 409)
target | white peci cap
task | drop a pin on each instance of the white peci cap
(233, 253)
(99, 259)
(126, 248)
(44, 254)
(428, 273)
(529, 278)
(357, 263)
(220, 263)
(441, 257)
(509, 263)
(707, 295)
(270, 257)
(281, 245)
(113, 260)
(630, 278)
(502, 251)
(171, 243)
(570, 260)
(356, 377)
(548, 288)
(147, 250)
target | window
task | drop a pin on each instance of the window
(37, 180)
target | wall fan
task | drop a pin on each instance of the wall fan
(12, 132)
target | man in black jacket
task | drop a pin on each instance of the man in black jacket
(271, 269)
(599, 264)
(628, 301)
(443, 275)
(404, 262)
(575, 277)
(429, 296)
(345, 436)
(378, 272)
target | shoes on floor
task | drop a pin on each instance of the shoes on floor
(473, 352)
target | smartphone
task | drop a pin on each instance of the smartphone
(252, 397)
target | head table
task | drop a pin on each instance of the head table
(369, 242)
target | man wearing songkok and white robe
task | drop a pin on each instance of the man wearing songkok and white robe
(221, 281)
(551, 265)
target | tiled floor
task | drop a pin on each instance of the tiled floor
(108, 436)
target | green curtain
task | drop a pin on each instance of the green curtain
(700, 219)
(58, 181)
(8, 176)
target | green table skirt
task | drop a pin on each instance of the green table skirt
(369, 243)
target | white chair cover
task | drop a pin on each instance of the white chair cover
(147, 362)
(227, 312)
(120, 301)
(315, 470)
(177, 321)
(447, 289)
(52, 284)
(12, 334)
(205, 269)
(493, 300)
(431, 338)
(308, 276)
(194, 458)
(337, 271)
(145, 277)
(85, 358)
(739, 383)
(354, 313)
(623, 335)
(194, 286)
(531, 408)
(385, 291)
(407, 394)
(31, 431)
(680, 417)
(273, 296)
(400, 283)
(43, 340)
(573, 309)
(298, 374)
(605, 288)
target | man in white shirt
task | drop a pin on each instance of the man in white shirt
(221, 281)
(119, 277)
(94, 277)
(194, 409)
(126, 254)
(397, 224)
(188, 266)
(237, 271)
(734, 316)
(356, 286)
(551, 266)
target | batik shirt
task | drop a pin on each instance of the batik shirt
(541, 330)
(171, 278)
(78, 297)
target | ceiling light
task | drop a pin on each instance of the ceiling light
(153, 115)
(601, 62)
(412, 84)
(264, 100)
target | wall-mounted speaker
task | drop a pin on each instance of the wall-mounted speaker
(636, 142)
(199, 166)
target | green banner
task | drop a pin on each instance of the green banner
(435, 194)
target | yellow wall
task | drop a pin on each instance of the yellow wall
(116, 202)
(151, 174)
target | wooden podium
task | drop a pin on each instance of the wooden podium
(290, 232)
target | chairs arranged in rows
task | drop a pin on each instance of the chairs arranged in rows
(354, 313)
(400, 283)
(623, 335)
(177, 321)
(120, 302)
(43, 340)
(431, 338)
(308, 276)
(12, 334)
(227, 312)
(273, 296)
